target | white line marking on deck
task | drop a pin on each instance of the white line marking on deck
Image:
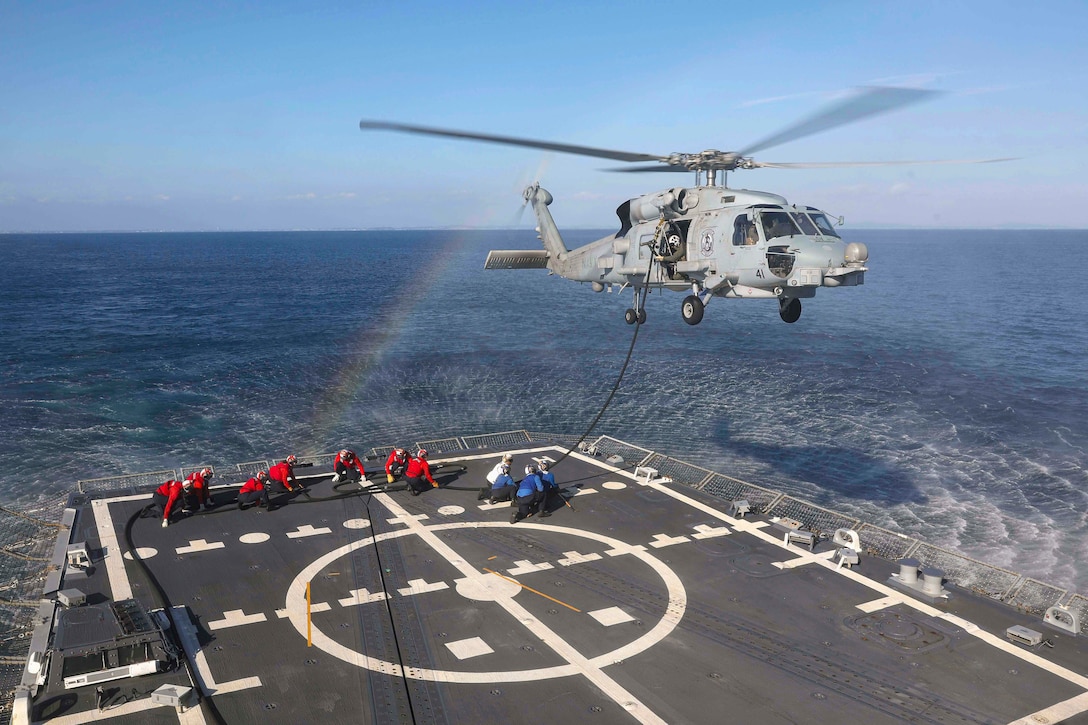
(611, 616)
(663, 540)
(581, 491)
(524, 566)
(205, 681)
(361, 596)
(709, 532)
(573, 557)
(803, 559)
(466, 648)
(626, 549)
(419, 586)
(755, 529)
(407, 518)
(107, 537)
(126, 708)
(307, 530)
(141, 552)
(877, 604)
(198, 545)
(236, 618)
(1058, 712)
(315, 607)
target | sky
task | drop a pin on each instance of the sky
(235, 116)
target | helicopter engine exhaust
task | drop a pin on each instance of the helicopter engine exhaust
(670, 204)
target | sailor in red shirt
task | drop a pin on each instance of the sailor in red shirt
(348, 467)
(395, 464)
(418, 470)
(200, 481)
(283, 473)
(167, 494)
(254, 491)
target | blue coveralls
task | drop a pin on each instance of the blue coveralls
(530, 492)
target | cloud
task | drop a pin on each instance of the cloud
(307, 195)
(162, 197)
(342, 195)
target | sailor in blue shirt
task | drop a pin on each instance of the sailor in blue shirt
(529, 493)
(551, 489)
(502, 488)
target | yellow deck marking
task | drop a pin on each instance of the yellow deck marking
(534, 591)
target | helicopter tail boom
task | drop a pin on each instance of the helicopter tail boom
(549, 234)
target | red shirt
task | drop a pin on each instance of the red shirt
(394, 458)
(282, 472)
(170, 489)
(253, 484)
(349, 461)
(418, 467)
(199, 486)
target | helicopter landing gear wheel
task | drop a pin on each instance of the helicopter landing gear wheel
(692, 310)
(630, 316)
(642, 317)
(789, 309)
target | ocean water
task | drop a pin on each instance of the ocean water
(946, 398)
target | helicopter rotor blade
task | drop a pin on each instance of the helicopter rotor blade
(655, 167)
(870, 101)
(833, 164)
(510, 141)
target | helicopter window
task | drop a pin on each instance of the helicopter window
(825, 226)
(778, 224)
(805, 223)
(745, 233)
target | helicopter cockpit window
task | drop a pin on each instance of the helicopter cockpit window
(805, 223)
(778, 224)
(745, 232)
(823, 224)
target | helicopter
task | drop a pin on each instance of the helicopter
(708, 240)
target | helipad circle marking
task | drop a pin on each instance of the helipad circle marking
(671, 616)
(451, 510)
(357, 523)
(142, 552)
(257, 537)
(614, 485)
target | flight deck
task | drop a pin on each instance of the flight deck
(639, 600)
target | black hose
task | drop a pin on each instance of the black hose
(167, 606)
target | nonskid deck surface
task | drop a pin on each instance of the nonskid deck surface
(636, 601)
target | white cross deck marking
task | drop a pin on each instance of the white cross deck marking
(662, 540)
(709, 532)
(307, 530)
(419, 586)
(582, 491)
(407, 518)
(525, 567)
(362, 596)
(236, 618)
(198, 545)
(573, 557)
(805, 558)
(315, 607)
(626, 549)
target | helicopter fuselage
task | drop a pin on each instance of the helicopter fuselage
(711, 241)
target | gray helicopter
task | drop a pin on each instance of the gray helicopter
(707, 240)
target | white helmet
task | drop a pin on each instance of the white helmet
(421, 453)
(530, 469)
(543, 465)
